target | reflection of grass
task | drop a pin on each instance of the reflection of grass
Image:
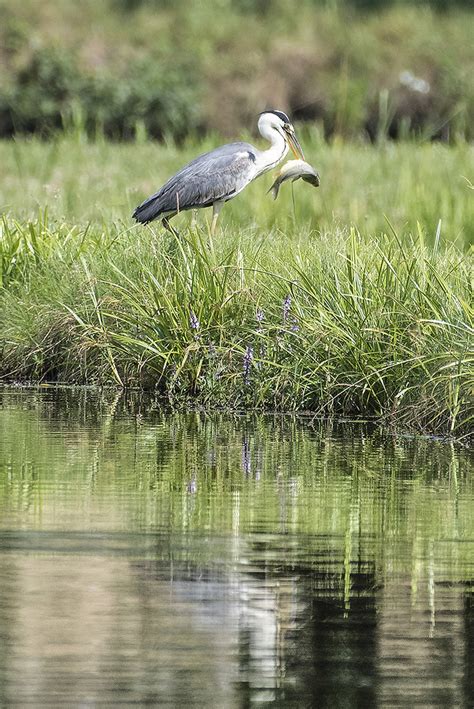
(337, 309)
(353, 497)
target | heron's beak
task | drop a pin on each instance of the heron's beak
(293, 142)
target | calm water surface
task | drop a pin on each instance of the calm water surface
(217, 561)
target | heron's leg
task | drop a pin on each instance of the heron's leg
(166, 223)
(216, 208)
(194, 219)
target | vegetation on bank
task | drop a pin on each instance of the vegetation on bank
(287, 315)
(141, 67)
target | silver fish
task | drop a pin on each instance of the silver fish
(293, 170)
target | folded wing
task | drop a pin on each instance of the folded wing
(212, 177)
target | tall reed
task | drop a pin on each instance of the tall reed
(337, 323)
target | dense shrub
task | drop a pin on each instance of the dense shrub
(51, 91)
(43, 90)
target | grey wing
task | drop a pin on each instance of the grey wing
(214, 176)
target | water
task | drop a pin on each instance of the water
(228, 561)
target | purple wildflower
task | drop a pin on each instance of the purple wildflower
(260, 317)
(248, 359)
(286, 307)
(294, 324)
(193, 321)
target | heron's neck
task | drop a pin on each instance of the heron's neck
(266, 159)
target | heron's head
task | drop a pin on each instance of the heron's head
(278, 121)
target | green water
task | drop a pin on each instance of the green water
(149, 558)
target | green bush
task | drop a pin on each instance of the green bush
(41, 93)
(51, 92)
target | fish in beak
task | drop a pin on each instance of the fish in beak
(293, 141)
(294, 170)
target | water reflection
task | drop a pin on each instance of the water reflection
(224, 561)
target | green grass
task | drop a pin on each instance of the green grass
(357, 301)
(412, 184)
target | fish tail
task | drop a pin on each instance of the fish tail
(274, 190)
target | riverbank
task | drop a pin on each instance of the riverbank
(337, 320)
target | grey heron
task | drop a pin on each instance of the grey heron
(215, 177)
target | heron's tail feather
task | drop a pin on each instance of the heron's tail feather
(148, 210)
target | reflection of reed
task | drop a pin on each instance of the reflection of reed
(113, 462)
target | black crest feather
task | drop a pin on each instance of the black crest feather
(280, 114)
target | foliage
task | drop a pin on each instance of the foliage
(159, 68)
(51, 93)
